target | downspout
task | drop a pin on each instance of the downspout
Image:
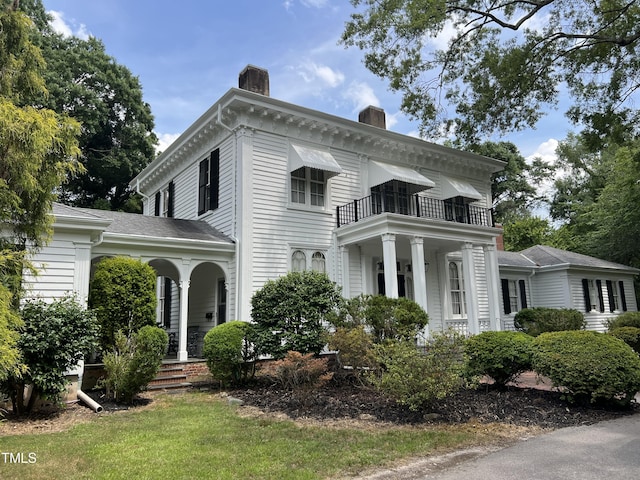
(89, 402)
(234, 208)
(145, 197)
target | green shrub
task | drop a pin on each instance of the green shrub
(629, 335)
(418, 379)
(123, 295)
(134, 362)
(301, 372)
(54, 337)
(229, 353)
(534, 321)
(627, 319)
(501, 355)
(355, 348)
(289, 313)
(590, 366)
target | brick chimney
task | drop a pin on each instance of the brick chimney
(254, 79)
(500, 238)
(373, 116)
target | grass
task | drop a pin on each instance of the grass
(199, 436)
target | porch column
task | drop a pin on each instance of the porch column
(493, 277)
(470, 288)
(344, 253)
(419, 274)
(390, 265)
(183, 355)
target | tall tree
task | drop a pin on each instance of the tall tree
(505, 61)
(117, 139)
(37, 152)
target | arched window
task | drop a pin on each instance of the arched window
(298, 261)
(318, 262)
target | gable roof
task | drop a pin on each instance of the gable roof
(139, 225)
(545, 256)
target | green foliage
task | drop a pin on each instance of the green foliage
(419, 379)
(629, 335)
(526, 232)
(229, 352)
(626, 319)
(354, 347)
(534, 321)
(301, 372)
(9, 323)
(123, 295)
(497, 73)
(501, 355)
(54, 338)
(394, 318)
(590, 366)
(289, 313)
(134, 362)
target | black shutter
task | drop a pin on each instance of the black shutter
(506, 303)
(587, 297)
(623, 298)
(202, 186)
(167, 301)
(214, 179)
(523, 294)
(157, 206)
(170, 193)
(612, 300)
(600, 297)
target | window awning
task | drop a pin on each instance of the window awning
(459, 188)
(380, 173)
(313, 158)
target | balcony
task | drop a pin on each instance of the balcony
(452, 210)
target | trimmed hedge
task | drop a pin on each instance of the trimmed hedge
(501, 355)
(629, 335)
(534, 321)
(228, 352)
(592, 367)
(627, 319)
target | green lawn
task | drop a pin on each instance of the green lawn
(197, 436)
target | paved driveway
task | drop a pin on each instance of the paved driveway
(607, 450)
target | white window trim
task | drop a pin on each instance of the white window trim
(463, 306)
(306, 206)
(308, 253)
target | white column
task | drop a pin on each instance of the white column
(419, 274)
(471, 291)
(244, 223)
(344, 253)
(183, 355)
(390, 266)
(493, 277)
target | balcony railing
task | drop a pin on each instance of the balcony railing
(413, 206)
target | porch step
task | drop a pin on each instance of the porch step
(169, 377)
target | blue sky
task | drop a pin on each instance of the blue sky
(188, 53)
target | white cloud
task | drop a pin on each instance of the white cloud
(61, 26)
(306, 3)
(361, 96)
(546, 151)
(311, 72)
(441, 42)
(164, 140)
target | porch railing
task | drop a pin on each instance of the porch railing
(413, 206)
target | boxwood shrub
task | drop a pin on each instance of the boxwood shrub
(534, 321)
(590, 366)
(629, 335)
(501, 355)
(229, 352)
(627, 319)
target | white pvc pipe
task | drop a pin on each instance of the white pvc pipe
(90, 402)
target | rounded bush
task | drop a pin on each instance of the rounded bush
(590, 366)
(501, 355)
(629, 335)
(627, 319)
(534, 321)
(227, 352)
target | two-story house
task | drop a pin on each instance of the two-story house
(257, 187)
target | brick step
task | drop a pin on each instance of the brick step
(169, 386)
(163, 372)
(166, 379)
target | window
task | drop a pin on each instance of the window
(514, 295)
(318, 263)
(308, 187)
(164, 200)
(164, 300)
(392, 196)
(593, 298)
(314, 260)
(456, 289)
(209, 182)
(456, 210)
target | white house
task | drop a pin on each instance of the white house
(257, 187)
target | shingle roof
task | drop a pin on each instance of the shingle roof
(146, 225)
(544, 256)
